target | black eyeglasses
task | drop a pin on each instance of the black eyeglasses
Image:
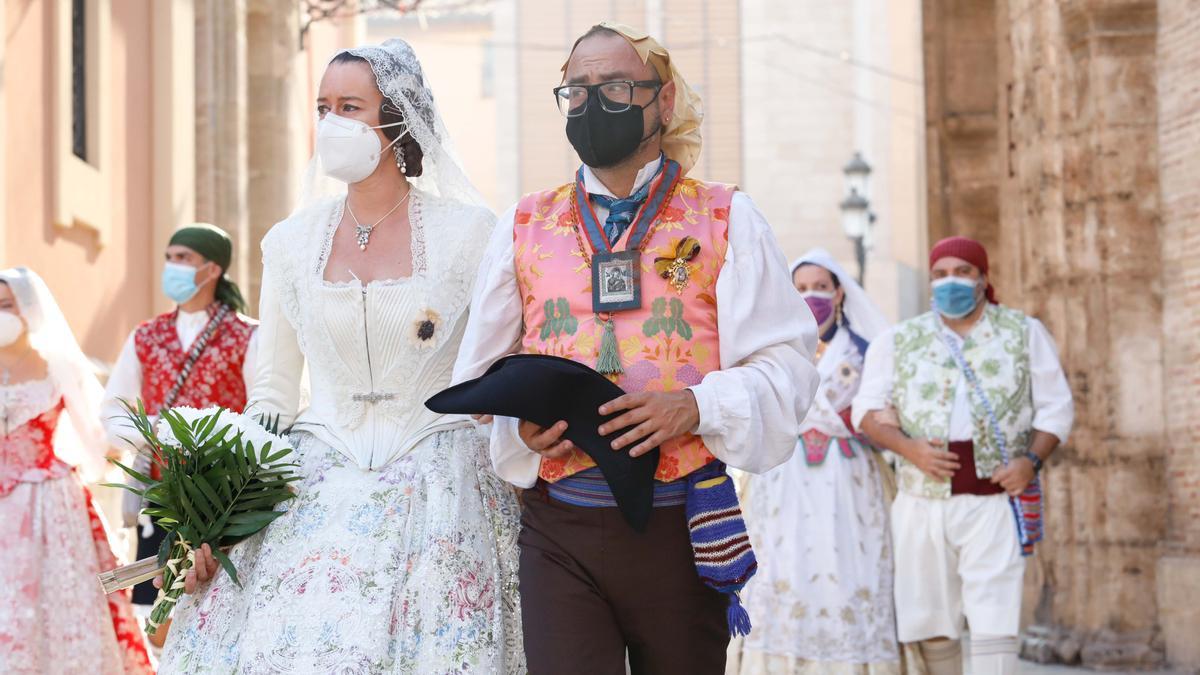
(615, 96)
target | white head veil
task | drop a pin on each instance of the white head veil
(861, 313)
(80, 439)
(402, 83)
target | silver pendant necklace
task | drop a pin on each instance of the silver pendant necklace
(363, 232)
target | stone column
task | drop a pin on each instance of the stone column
(221, 114)
(1079, 215)
(272, 38)
(1179, 175)
(961, 118)
(173, 132)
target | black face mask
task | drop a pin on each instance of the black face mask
(604, 139)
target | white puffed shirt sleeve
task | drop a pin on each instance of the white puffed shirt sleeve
(275, 387)
(751, 409)
(124, 384)
(1053, 405)
(875, 385)
(493, 332)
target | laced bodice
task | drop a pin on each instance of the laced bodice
(29, 419)
(375, 351)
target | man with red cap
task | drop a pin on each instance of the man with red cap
(973, 399)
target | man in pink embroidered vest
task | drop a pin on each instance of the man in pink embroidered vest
(200, 354)
(676, 289)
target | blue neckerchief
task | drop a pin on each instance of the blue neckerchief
(622, 211)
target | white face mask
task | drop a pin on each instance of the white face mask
(11, 328)
(349, 149)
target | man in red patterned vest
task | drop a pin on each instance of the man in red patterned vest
(199, 354)
(677, 290)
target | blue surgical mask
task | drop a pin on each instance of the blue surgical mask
(179, 282)
(955, 298)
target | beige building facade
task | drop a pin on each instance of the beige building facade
(821, 81)
(124, 119)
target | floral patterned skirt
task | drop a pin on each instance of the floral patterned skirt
(408, 569)
(54, 619)
(823, 592)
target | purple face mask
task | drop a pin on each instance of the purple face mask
(821, 305)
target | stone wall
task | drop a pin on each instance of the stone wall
(962, 118)
(1045, 123)
(1179, 177)
(1079, 215)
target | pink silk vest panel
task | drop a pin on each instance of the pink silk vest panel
(667, 345)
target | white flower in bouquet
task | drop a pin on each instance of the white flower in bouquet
(251, 430)
(222, 476)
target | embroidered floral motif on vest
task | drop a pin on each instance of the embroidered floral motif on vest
(668, 344)
(926, 378)
(217, 376)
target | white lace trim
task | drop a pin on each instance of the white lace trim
(417, 235)
(339, 210)
(26, 400)
(416, 246)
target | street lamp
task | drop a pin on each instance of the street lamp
(856, 209)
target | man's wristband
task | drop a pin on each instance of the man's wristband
(1037, 461)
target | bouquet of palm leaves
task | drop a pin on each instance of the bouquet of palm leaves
(223, 477)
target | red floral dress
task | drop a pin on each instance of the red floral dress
(53, 616)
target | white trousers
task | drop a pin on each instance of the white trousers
(956, 558)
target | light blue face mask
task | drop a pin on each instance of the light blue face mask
(179, 282)
(955, 297)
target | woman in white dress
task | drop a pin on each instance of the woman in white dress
(54, 618)
(399, 553)
(822, 598)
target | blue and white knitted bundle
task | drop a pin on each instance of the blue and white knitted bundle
(724, 558)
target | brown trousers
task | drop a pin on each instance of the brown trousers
(592, 588)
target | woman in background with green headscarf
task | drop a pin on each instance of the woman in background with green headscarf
(199, 354)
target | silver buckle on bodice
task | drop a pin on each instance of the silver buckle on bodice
(373, 397)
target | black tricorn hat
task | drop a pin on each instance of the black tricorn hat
(547, 389)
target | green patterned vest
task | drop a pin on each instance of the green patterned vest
(926, 377)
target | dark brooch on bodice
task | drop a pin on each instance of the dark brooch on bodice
(425, 330)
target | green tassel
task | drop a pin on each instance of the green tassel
(609, 361)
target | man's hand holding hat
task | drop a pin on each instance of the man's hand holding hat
(547, 442)
(656, 417)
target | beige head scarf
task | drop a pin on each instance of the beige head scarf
(681, 140)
